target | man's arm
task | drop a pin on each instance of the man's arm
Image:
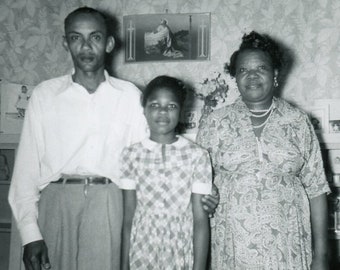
(129, 202)
(35, 256)
(201, 233)
(24, 191)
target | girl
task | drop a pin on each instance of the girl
(164, 178)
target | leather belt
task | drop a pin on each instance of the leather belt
(85, 181)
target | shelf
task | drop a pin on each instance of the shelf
(9, 138)
(7, 182)
(5, 226)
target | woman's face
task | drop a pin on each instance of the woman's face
(255, 76)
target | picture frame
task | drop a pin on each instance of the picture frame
(14, 100)
(319, 118)
(167, 37)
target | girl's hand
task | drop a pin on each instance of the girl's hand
(320, 263)
(210, 202)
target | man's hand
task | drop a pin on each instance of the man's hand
(210, 202)
(35, 256)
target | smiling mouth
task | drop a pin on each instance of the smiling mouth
(162, 121)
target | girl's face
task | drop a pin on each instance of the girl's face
(254, 76)
(162, 111)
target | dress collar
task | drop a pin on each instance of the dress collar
(152, 145)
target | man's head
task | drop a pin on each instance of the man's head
(87, 38)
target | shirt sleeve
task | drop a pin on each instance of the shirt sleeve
(139, 127)
(202, 174)
(24, 191)
(312, 173)
(127, 175)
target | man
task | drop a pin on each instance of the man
(64, 192)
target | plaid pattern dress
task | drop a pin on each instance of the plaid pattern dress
(164, 177)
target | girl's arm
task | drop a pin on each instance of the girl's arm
(129, 204)
(201, 233)
(319, 232)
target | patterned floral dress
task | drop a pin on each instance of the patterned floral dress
(265, 184)
(164, 177)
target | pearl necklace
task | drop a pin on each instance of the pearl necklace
(264, 113)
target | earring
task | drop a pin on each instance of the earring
(276, 84)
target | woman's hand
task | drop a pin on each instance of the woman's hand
(210, 202)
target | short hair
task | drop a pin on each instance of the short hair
(174, 85)
(87, 10)
(256, 41)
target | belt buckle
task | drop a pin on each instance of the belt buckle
(86, 184)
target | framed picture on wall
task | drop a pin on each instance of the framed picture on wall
(319, 118)
(167, 37)
(14, 101)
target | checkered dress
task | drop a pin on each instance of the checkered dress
(164, 177)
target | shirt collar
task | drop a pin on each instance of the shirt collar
(70, 84)
(152, 145)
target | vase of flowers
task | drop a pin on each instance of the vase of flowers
(215, 91)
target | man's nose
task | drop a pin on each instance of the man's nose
(87, 44)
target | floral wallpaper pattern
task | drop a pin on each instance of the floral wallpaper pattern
(31, 40)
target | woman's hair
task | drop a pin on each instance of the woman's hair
(172, 84)
(256, 41)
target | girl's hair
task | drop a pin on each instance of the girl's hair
(172, 84)
(257, 41)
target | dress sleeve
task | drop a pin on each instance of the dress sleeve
(202, 174)
(312, 173)
(127, 177)
(207, 135)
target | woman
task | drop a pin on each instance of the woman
(268, 169)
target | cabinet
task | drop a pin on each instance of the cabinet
(330, 145)
(8, 146)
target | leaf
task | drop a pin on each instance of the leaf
(324, 35)
(30, 9)
(32, 41)
(323, 3)
(3, 12)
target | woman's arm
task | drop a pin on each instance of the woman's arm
(319, 218)
(201, 233)
(211, 201)
(129, 204)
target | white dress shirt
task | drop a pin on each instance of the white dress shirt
(69, 131)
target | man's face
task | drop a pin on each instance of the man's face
(86, 39)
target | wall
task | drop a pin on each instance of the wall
(31, 51)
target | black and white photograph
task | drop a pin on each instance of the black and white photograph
(167, 37)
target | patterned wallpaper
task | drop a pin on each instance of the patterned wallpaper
(31, 35)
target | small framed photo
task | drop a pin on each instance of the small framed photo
(7, 157)
(167, 37)
(14, 101)
(319, 118)
(334, 126)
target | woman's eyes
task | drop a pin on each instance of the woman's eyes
(259, 68)
(169, 106)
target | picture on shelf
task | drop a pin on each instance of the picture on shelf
(14, 101)
(167, 37)
(6, 164)
(319, 118)
(334, 126)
